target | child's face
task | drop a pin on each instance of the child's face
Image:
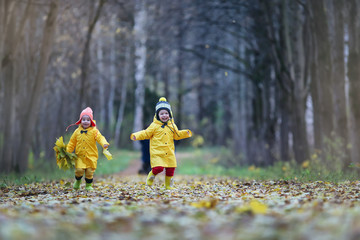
(85, 121)
(164, 115)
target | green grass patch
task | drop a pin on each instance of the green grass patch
(207, 161)
(214, 162)
(120, 161)
(48, 171)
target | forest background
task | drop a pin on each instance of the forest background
(271, 81)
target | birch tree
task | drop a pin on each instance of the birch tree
(123, 93)
(140, 37)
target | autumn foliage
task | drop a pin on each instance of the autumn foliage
(200, 207)
(64, 160)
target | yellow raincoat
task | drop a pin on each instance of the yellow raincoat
(85, 146)
(162, 148)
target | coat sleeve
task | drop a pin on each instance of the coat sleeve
(70, 147)
(101, 139)
(181, 134)
(144, 134)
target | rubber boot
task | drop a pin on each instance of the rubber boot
(77, 184)
(169, 183)
(150, 179)
(89, 187)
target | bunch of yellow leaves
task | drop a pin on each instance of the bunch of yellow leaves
(64, 160)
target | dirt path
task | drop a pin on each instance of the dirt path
(132, 169)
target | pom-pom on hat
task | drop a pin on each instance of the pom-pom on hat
(87, 111)
(162, 105)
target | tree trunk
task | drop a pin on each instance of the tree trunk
(8, 150)
(269, 122)
(245, 116)
(300, 143)
(288, 56)
(113, 76)
(299, 94)
(237, 130)
(165, 72)
(140, 64)
(126, 77)
(8, 64)
(341, 122)
(284, 103)
(239, 111)
(354, 75)
(32, 107)
(323, 67)
(181, 26)
(84, 85)
(180, 88)
(316, 108)
(100, 81)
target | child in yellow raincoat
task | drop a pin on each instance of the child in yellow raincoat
(162, 132)
(83, 140)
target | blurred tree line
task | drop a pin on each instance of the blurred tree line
(272, 80)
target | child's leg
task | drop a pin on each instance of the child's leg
(170, 171)
(157, 170)
(169, 178)
(151, 176)
(89, 175)
(79, 172)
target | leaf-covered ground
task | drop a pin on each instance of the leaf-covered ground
(122, 207)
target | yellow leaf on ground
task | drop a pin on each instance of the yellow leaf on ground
(258, 207)
(254, 207)
(210, 203)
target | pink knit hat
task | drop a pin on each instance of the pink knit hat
(87, 111)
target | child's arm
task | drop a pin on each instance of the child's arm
(101, 140)
(70, 147)
(143, 134)
(181, 134)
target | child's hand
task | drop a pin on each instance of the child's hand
(134, 138)
(106, 146)
(188, 132)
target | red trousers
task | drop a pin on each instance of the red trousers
(169, 171)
